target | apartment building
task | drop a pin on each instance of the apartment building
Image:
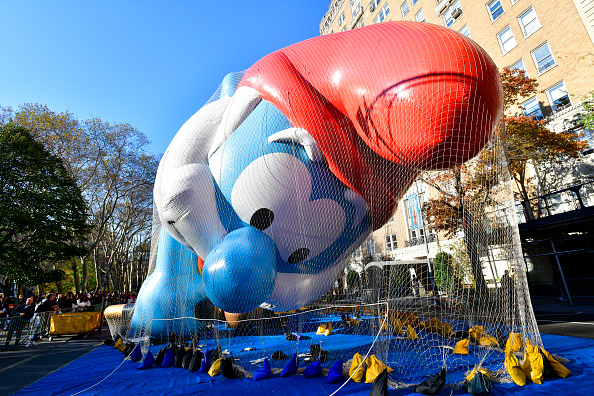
(552, 40)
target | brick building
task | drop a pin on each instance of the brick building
(552, 40)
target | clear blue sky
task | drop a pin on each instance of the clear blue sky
(149, 63)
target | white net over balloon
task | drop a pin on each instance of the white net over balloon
(386, 133)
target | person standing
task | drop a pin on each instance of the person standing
(19, 318)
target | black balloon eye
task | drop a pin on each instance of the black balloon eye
(298, 255)
(262, 219)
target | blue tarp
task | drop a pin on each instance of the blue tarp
(88, 370)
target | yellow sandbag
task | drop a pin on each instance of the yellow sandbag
(119, 345)
(355, 373)
(215, 368)
(445, 330)
(398, 326)
(512, 365)
(411, 333)
(328, 330)
(488, 341)
(514, 343)
(321, 329)
(461, 347)
(353, 322)
(410, 320)
(470, 376)
(384, 326)
(560, 369)
(374, 368)
(435, 325)
(533, 365)
(475, 333)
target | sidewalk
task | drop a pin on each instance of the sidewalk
(23, 366)
(554, 305)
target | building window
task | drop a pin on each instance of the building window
(514, 2)
(373, 5)
(558, 96)
(404, 8)
(495, 9)
(529, 22)
(382, 14)
(465, 31)
(453, 12)
(391, 243)
(419, 16)
(341, 19)
(520, 66)
(532, 109)
(370, 246)
(414, 2)
(358, 253)
(344, 29)
(543, 58)
(507, 41)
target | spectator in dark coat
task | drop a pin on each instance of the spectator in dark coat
(19, 318)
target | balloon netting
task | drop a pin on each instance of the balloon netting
(267, 193)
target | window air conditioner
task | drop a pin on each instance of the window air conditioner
(456, 13)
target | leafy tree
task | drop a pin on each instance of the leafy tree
(42, 210)
(588, 116)
(353, 280)
(468, 192)
(115, 174)
(529, 141)
(444, 272)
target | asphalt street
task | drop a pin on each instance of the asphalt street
(23, 366)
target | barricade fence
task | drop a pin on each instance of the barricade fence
(16, 330)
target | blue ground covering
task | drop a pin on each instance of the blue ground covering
(128, 380)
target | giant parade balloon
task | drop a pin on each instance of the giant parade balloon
(270, 186)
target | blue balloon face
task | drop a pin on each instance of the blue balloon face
(275, 187)
(250, 194)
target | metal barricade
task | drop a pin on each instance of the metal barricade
(13, 330)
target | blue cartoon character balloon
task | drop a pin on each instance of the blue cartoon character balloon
(284, 173)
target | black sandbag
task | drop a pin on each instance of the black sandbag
(215, 353)
(108, 341)
(279, 355)
(433, 384)
(479, 385)
(129, 349)
(160, 356)
(227, 368)
(179, 357)
(548, 371)
(316, 352)
(380, 385)
(195, 362)
(461, 334)
(290, 337)
(501, 338)
(187, 358)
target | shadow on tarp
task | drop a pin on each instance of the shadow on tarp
(96, 365)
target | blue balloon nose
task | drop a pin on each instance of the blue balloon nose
(240, 272)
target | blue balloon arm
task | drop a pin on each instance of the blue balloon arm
(171, 291)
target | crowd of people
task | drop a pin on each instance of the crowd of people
(15, 313)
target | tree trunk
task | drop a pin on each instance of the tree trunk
(75, 275)
(98, 277)
(85, 275)
(472, 238)
(6, 287)
(60, 286)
